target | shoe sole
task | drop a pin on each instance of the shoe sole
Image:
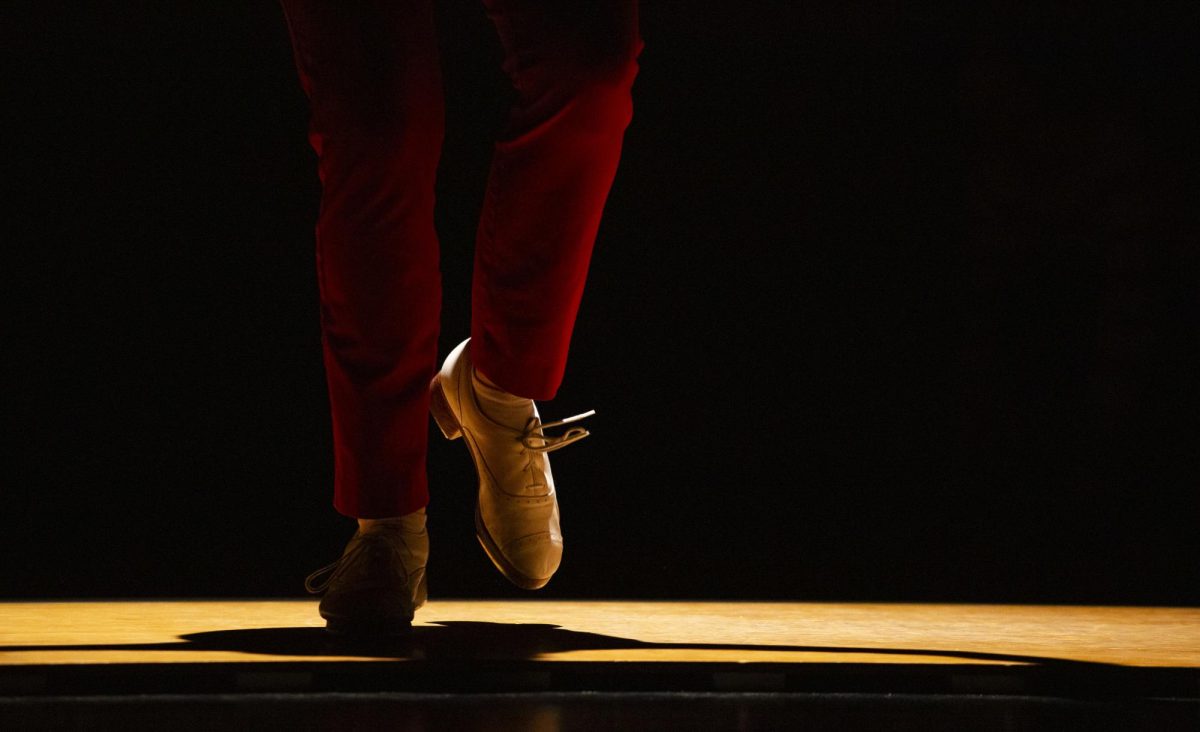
(443, 415)
(341, 625)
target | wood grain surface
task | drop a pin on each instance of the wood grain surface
(173, 631)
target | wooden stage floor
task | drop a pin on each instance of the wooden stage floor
(195, 647)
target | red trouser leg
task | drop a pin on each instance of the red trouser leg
(371, 73)
(573, 65)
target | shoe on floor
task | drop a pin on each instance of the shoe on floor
(377, 584)
(516, 512)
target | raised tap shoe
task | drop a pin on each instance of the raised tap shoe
(516, 512)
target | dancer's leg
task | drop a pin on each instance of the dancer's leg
(371, 71)
(573, 65)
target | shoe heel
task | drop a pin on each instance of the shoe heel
(440, 409)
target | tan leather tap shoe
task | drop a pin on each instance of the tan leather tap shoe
(377, 584)
(516, 512)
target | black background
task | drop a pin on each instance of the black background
(888, 303)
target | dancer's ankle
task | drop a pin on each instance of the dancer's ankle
(412, 523)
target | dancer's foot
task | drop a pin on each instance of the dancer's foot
(516, 513)
(379, 581)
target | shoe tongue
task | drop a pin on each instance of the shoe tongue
(501, 407)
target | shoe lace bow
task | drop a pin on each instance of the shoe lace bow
(534, 437)
(318, 581)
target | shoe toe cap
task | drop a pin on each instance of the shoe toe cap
(537, 557)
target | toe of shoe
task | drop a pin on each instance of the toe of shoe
(536, 558)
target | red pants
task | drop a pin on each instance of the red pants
(371, 72)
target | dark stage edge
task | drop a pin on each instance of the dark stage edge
(590, 710)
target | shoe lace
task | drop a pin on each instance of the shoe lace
(533, 437)
(536, 443)
(316, 582)
(319, 580)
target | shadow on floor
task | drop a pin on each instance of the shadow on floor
(472, 640)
